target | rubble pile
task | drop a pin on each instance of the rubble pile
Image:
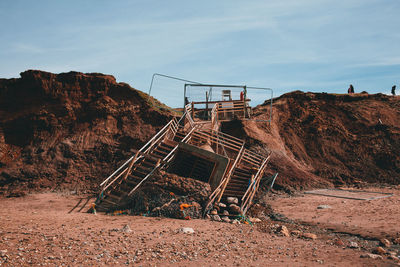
(169, 195)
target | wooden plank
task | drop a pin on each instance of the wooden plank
(223, 137)
(221, 101)
(216, 140)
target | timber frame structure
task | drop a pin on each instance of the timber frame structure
(197, 128)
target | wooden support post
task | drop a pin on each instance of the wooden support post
(130, 166)
(206, 115)
(244, 108)
(192, 110)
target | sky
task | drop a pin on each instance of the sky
(286, 45)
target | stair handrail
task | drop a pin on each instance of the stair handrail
(161, 163)
(254, 178)
(253, 187)
(144, 149)
(155, 141)
(228, 176)
(220, 138)
(188, 111)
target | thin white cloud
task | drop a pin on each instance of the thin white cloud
(27, 48)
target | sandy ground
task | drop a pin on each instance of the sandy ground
(372, 219)
(41, 229)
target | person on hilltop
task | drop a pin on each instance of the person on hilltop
(394, 90)
(351, 89)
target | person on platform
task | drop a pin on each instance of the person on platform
(351, 89)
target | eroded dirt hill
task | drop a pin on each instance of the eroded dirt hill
(321, 139)
(70, 130)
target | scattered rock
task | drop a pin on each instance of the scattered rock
(221, 205)
(339, 243)
(235, 221)
(3, 252)
(322, 207)
(187, 230)
(379, 250)
(225, 212)
(283, 230)
(384, 242)
(371, 256)
(254, 220)
(208, 217)
(295, 232)
(393, 257)
(214, 212)
(225, 219)
(232, 200)
(353, 245)
(309, 236)
(126, 229)
(397, 241)
(215, 218)
(234, 208)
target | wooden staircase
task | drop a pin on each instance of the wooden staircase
(241, 179)
(238, 183)
(155, 154)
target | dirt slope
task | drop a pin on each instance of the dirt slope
(323, 139)
(69, 129)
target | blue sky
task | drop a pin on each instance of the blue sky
(309, 45)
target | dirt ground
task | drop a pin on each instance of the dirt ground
(372, 219)
(54, 229)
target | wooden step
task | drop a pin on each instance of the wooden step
(242, 183)
(252, 170)
(241, 171)
(163, 148)
(139, 174)
(159, 154)
(169, 143)
(240, 179)
(234, 192)
(148, 165)
(134, 177)
(143, 169)
(241, 176)
(236, 187)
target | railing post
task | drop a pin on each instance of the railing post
(130, 166)
(244, 108)
(192, 105)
